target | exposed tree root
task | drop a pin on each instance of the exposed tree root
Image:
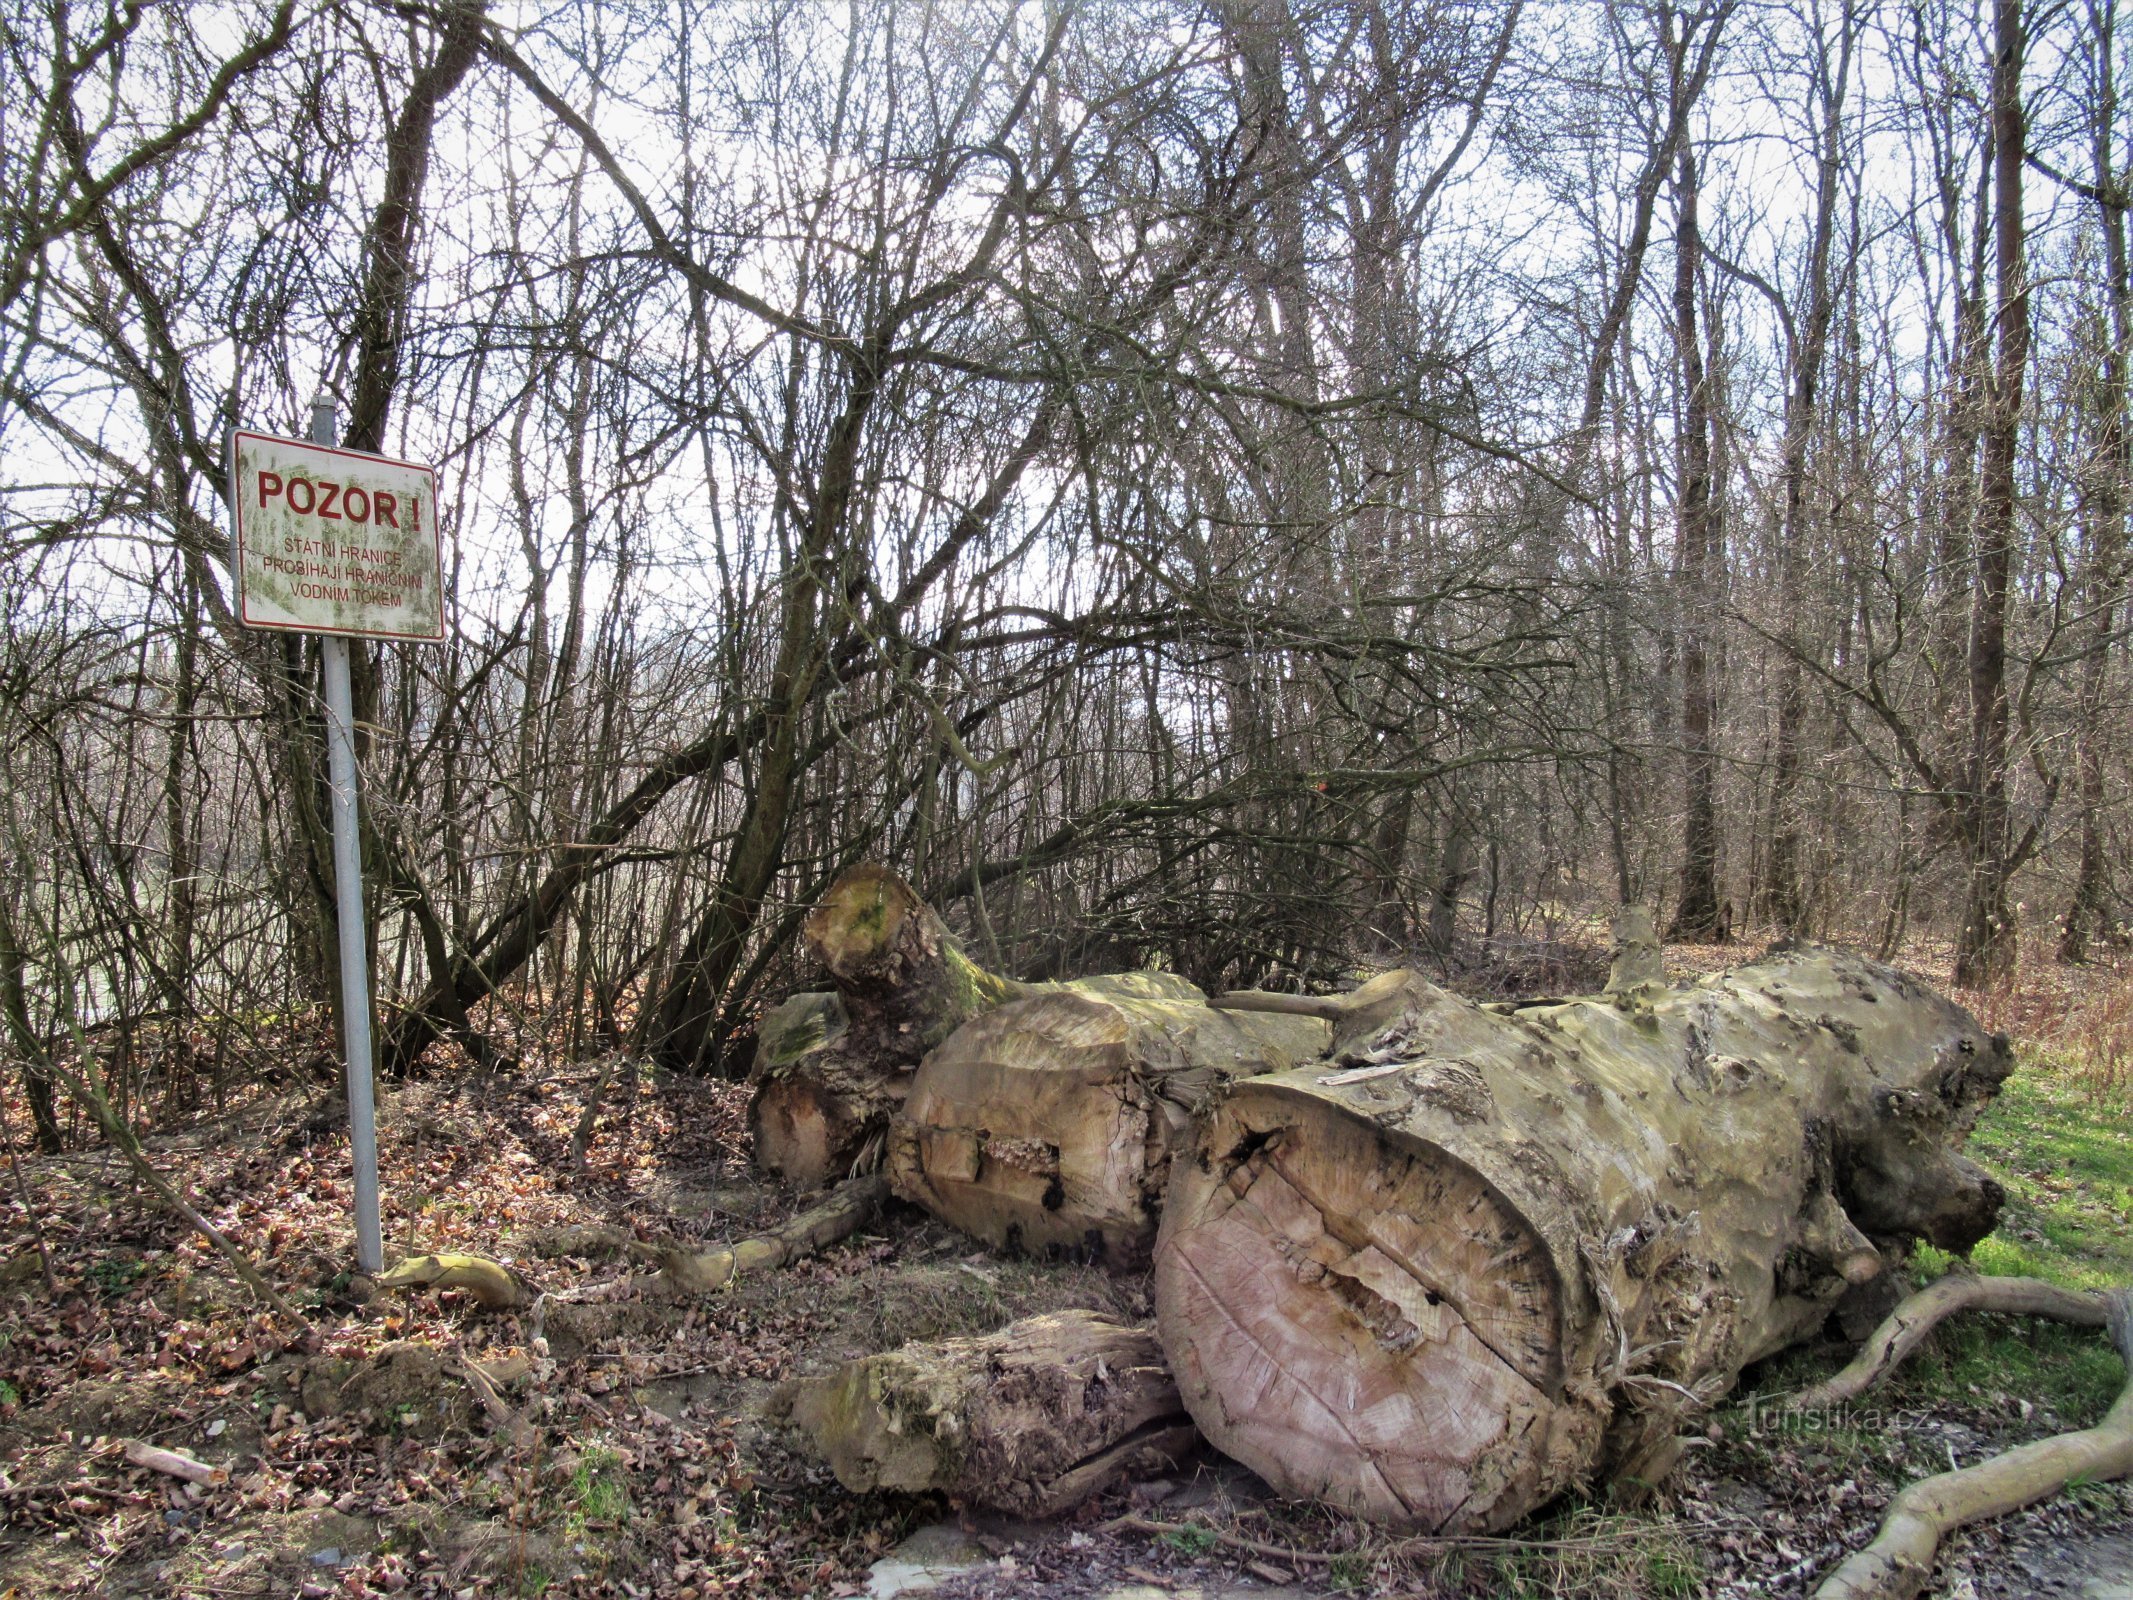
(1919, 1314)
(1900, 1559)
(848, 1206)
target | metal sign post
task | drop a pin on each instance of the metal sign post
(348, 915)
(341, 544)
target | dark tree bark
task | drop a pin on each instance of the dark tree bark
(37, 1085)
(2103, 504)
(1697, 916)
(1987, 945)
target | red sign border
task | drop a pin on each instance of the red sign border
(237, 542)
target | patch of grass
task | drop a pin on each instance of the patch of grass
(1351, 1569)
(1578, 1550)
(1588, 1552)
(1670, 1570)
(2071, 1372)
(2066, 1158)
(116, 1274)
(599, 1491)
(1189, 1541)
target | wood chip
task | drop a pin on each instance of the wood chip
(1363, 1074)
(176, 1465)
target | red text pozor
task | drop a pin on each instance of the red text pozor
(335, 502)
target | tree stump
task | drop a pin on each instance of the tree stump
(1032, 1420)
(831, 1068)
(1047, 1125)
(1477, 1257)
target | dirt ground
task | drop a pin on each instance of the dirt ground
(357, 1459)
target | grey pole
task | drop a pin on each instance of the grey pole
(348, 913)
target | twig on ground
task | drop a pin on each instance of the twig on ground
(507, 1419)
(173, 1464)
(1200, 1530)
(839, 1215)
(1430, 1543)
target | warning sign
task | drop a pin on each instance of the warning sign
(334, 541)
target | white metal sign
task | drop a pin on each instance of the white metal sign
(337, 542)
(334, 541)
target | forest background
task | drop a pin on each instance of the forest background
(1254, 486)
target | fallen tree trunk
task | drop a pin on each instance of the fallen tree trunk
(832, 1068)
(1899, 1561)
(815, 1105)
(1479, 1257)
(1033, 1419)
(1048, 1125)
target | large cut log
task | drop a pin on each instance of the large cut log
(1048, 1125)
(1479, 1257)
(1033, 1419)
(831, 1068)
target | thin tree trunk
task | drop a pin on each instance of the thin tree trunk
(1784, 899)
(1696, 912)
(1987, 947)
(36, 1065)
(2104, 510)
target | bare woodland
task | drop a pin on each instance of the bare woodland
(1232, 484)
(1215, 497)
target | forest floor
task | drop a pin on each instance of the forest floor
(357, 1459)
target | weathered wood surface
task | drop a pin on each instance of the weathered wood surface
(1477, 1257)
(1048, 1124)
(1033, 1419)
(831, 1068)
